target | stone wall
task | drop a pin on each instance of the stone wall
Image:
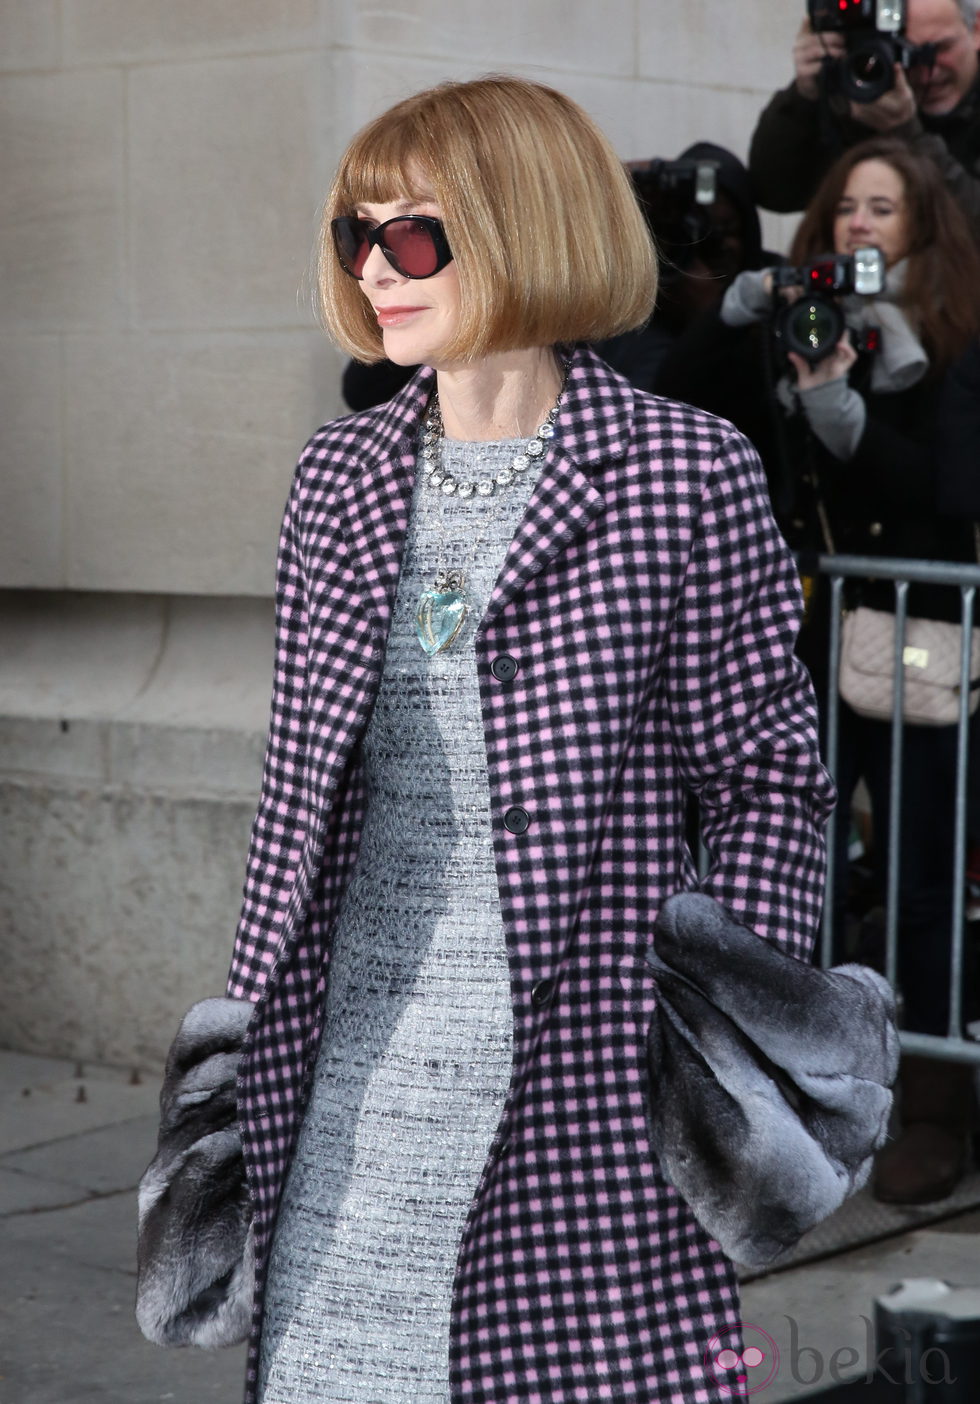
(162, 164)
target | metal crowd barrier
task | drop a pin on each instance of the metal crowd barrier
(954, 1047)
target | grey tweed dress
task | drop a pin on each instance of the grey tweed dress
(416, 1054)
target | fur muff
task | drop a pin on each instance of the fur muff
(770, 1079)
(196, 1277)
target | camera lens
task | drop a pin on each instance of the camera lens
(868, 70)
(811, 327)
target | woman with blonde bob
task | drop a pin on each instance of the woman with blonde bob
(523, 613)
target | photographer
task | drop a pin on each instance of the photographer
(706, 227)
(863, 438)
(934, 107)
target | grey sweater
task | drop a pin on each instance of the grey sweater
(416, 1054)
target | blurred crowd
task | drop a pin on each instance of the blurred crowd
(852, 362)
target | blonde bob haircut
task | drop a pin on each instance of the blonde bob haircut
(546, 233)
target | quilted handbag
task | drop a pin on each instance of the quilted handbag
(931, 660)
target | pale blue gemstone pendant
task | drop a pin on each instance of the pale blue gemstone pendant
(440, 612)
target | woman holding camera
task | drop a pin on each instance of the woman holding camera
(523, 611)
(858, 464)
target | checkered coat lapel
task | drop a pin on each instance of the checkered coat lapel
(565, 499)
(375, 499)
(649, 607)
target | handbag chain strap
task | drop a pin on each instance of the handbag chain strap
(828, 535)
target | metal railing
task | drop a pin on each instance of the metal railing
(837, 569)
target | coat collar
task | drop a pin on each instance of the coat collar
(592, 429)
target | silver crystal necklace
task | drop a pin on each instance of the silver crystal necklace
(444, 606)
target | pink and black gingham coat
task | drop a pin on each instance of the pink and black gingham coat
(638, 645)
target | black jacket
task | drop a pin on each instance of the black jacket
(912, 488)
(959, 431)
(796, 140)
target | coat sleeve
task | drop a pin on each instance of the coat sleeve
(962, 180)
(742, 710)
(282, 818)
(787, 155)
(795, 142)
(893, 465)
(912, 445)
(959, 438)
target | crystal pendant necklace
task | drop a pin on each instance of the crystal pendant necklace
(444, 606)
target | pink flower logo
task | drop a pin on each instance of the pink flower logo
(742, 1361)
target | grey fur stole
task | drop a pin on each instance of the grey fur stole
(195, 1279)
(770, 1080)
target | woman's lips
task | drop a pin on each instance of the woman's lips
(395, 316)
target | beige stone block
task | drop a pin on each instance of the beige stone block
(113, 31)
(208, 764)
(33, 749)
(373, 82)
(168, 695)
(30, 35)
(213, 670)
(180, 452)
(31, 467)
(118, 911)
(83, 657)
(641, 118)
(708, 44)
(61, 217)
(223, 191)
(510, 34)
(668, 117)
(609, 101)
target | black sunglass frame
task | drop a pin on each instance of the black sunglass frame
(376, 236)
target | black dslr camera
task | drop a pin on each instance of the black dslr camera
(813, 324)
(676, 197)
(874, 33)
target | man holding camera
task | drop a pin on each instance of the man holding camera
(931, 100)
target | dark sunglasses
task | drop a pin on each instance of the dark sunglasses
(415, 245)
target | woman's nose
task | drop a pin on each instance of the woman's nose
(377, 270)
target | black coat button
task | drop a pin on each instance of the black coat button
(497, 1150)
(504, 668)
(541, 993)
(517, 820)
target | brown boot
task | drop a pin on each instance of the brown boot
(928, 1158)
